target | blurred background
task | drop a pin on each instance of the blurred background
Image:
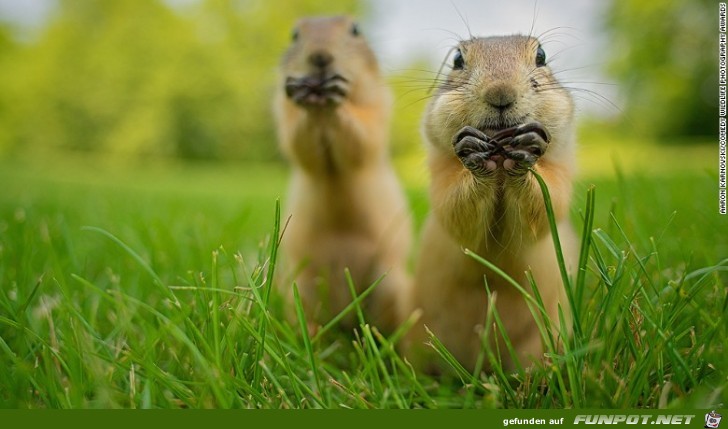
(191, 79)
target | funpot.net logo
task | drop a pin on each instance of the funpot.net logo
(712, 420)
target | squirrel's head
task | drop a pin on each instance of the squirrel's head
(325, 61)
(496, 83)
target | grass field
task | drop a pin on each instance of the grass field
(146, 286)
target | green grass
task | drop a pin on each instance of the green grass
(150, 286)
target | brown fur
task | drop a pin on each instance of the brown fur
(500, 217)
(347, 209)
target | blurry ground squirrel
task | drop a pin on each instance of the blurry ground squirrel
(498, 112)
(346, 206)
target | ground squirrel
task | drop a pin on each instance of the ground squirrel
(346, 206)
(498, 112)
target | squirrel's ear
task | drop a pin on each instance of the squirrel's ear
(355, 30)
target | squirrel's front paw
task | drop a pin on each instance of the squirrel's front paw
(475, 150)
(528, 144)
(316, 91)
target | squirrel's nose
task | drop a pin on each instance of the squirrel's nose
(501, 96)
(320, 59)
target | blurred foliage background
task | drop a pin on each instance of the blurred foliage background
(664, 57)
(140, 78)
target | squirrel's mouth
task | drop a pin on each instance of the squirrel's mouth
(317, 91)
(492, 126)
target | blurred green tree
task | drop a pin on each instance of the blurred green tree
(141, 77)
(7, 47)
(6, 41)
(658, 53)
(412, 88)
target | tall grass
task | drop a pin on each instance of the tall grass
(120, 295)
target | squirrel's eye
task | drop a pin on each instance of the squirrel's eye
(540, 57)
(294, 35)
(458, 62)
(355, 30)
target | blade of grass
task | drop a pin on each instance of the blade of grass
(28, 300)
(484, 345)
(585, 245)
(529, 298)
(462, 373)
(144, 264)
(573, 391)
(557, 247)
(352, 289)
(280, 358)
(379, 361)
(405, 368)
(352, 306)
(306, 338)
(213, 374)
(215, 310)
(272, 256)
(372, 349)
